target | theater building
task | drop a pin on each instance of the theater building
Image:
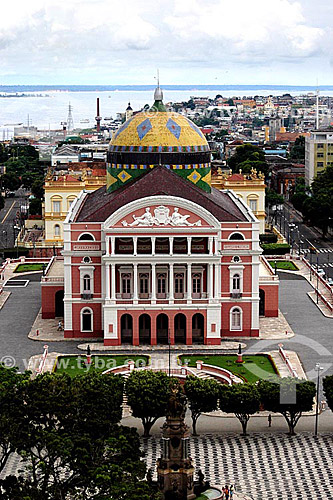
(158, 254)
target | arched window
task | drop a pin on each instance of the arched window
(196, 283)
(236, 318)
(86, 237)
(161, 283)
(179, 283)
(236, 236)
(236, 283)
(70, 200)
(144, 283)
(56, 204)
(57, 231)
(126, 283)
(86, 320)
(86, 283)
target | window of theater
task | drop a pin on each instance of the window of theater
(144, 246)
(124, 246)
(236, 283)
(236, 236)
(56, 205)
(179, 284)
(57, 231)
(86, 283)
(196, 284)
(253, 204)
(161, 284)
(126, 284)
(144, 284)
(236, 319)
(180, 246)
(162, 246)
(86, 237)
(199, 245)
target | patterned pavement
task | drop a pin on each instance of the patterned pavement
(264, 466)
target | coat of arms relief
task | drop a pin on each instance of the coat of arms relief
(161, 217)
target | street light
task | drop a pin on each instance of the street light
(318, 369)
(16, 228)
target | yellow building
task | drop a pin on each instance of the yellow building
(318, 153)
(60, 192)
(249, 187)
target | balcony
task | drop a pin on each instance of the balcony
(124, 296)
(87, 296)
(236, 295)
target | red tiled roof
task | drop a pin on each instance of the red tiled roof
(98, 205)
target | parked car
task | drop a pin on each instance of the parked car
(330, 281)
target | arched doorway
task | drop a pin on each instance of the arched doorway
(59, 304)
(180, 329)
(198, 329)
(126, 329)
(162, 328)
(261, 302)
(144, 329)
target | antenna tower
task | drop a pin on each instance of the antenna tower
(70, 121)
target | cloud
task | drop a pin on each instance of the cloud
(124, 41)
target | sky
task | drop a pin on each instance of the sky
(111, 42)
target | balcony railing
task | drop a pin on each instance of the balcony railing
(236, 295)
(87, 296)
(124, 296)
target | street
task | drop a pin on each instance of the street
(8, 218)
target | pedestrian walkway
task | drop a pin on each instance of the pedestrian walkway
(264, 466)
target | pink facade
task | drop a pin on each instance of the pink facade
(161, 268)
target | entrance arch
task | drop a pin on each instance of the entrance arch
(59, 304)
(180, 328)
(261, 302)
(198, 328)
(144, 329)
(126, 329)
(162, 328)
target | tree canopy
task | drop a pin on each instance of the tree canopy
(290, 397)
(241, 399)
(202, 395)
(147, 395)
(246, 157)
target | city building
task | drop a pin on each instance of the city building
(318, 153)
(249, 187)
(158, 254)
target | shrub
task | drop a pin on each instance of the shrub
(268, 238)
(275, 248)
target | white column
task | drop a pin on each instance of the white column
(135, 283)
(107, 281)
(210, 283)
(171, 293)
(210, 245)
(113, 245)
(189, 282)
(113, 281)
(217, 282)
(216, 245)
(135, 245)
(171, 245)
(153, 244)
(107, 245)
(189, 241)
(153, 283)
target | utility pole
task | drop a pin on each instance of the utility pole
(70, 121)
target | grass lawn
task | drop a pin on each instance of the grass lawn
(22, 268)
(255, 366)
(75, 365)
(287, 265)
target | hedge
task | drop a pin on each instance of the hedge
(268, 238)
(275, 248)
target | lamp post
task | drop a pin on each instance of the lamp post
(16, 228)
(318, 369)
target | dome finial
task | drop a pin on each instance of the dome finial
(158, 94)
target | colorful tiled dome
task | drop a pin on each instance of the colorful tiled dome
(163, 130)
(158, 137)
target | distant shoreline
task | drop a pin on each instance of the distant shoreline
(193, 87)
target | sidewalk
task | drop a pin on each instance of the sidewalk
(304, 270)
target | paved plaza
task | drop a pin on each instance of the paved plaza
(263, 466)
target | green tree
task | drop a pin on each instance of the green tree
(10, 381)
(319, 207)
(241, 399)
(290, 397)
(37, 187)
(35, 206)
(202, 395)
(246, 157)
(148, 395)
(297, 151)
(10, 181)
(328, 390)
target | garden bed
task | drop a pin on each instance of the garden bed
(23, 268)
(76, 365)
(255, 366)
(286, 265)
